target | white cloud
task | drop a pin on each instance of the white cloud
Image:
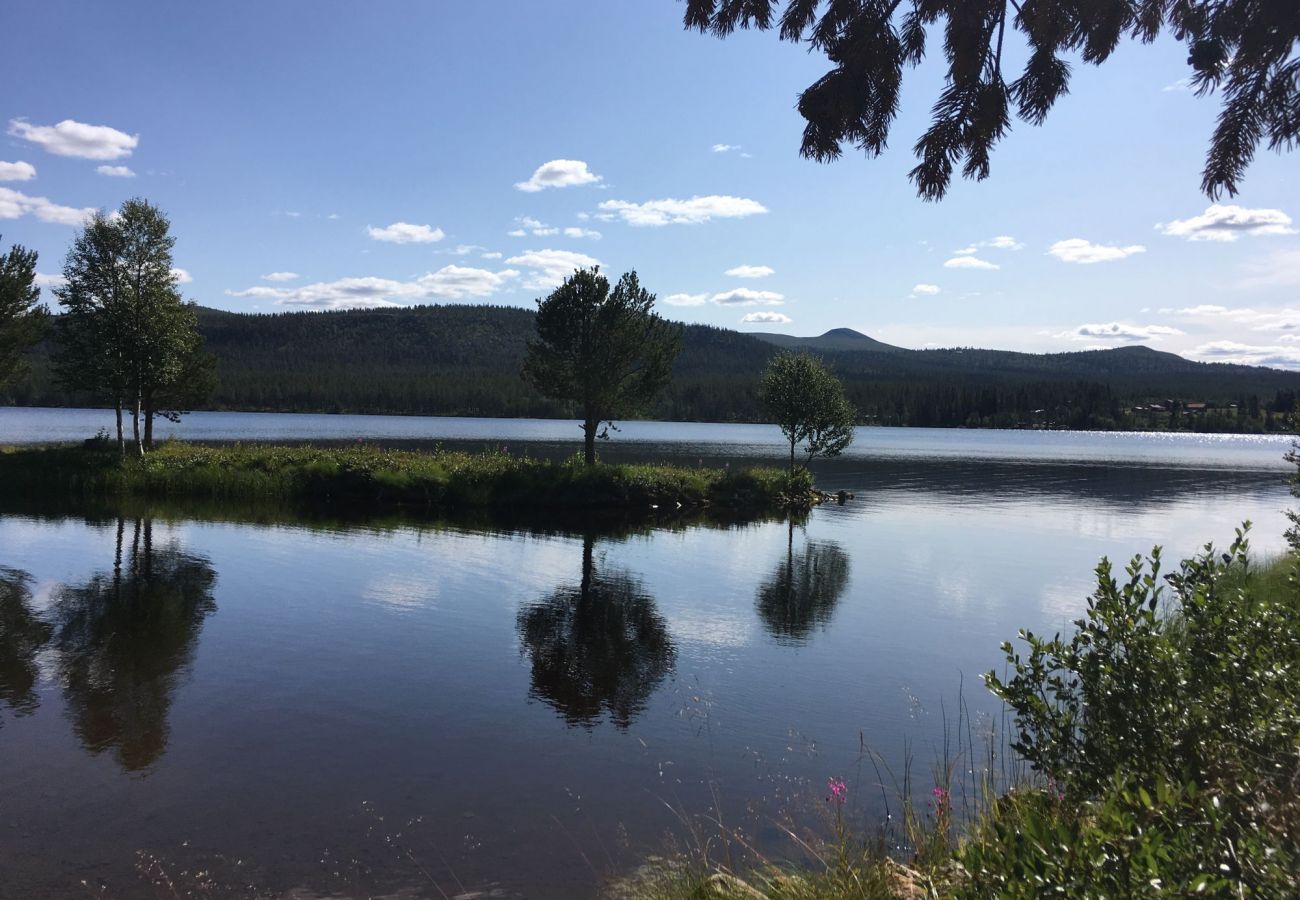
(686, 299)
(462, 249)
(547, 268)
(928, 290)
(725, 148)
(406, 233)
(1179, 86)
(750, 271)
(17, 171)
(69, 138)
(518, 232)
(1001, 242)
(280, 276)
(50, 281)
(766, 318)
(14, 204)
(748, 297)
(558, 173)
(1120, 332)
(1078, 250)
(969, 262)
(448, 283)
(182, 276)
(1004, 242)
(493, 255)
(1248, 354)
(116, 171)
(1226, 222)
(683, 212)
(582, 233)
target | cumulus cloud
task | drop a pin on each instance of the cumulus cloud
(181, 276)
(750, 271)
(683, 212)
(766, 318)
(547, 268)
(1119, 332)
(14, 204)
(448, 283)
(69, 138)
(748, 297)
(686, 299)
(969, 262)
(528, 225)
(116, 171)
(582, 233)
(50, 281)
(280, 276)
(558, 173)
(17, 171)
(725, 148)
(1248, 354)
(406, 233)
(1227, 222)
(928, 290)
(1078, 250)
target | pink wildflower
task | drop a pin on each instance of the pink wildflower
(839, 791)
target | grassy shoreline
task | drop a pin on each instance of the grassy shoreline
(371, 477)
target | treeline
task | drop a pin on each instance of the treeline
(465, 360)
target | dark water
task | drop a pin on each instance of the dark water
(239, 701)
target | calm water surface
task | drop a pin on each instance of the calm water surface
(242, 701)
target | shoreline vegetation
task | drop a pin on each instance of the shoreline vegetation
(374, 478)
(1156, 751)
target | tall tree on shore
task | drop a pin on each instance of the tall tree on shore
(1246, 48)
(606, 351)
(127, 334)
(807, 401)
(22, 318)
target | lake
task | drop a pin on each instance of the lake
(249, 701)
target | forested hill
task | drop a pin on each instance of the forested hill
(465, 360)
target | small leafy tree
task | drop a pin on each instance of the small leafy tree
(22, 320)
(127, 335)
(807, 401)
(606, 351)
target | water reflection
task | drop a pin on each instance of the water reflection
(123, 640)
(22, 635)
(598, 647)
(802, 591)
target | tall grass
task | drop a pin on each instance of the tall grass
(370, 476)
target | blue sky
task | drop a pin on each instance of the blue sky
(383, 153)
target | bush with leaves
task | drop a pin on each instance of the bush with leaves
(1167, 733)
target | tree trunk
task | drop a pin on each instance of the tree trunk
(148, 421)
(791, 457)
(121, 441)
(135, 426)
(589, 440)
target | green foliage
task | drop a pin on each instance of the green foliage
(606, 351)
(126, 335)
(22, 321)
(1168, 733)
(802, 397)
(1244, 47)
(373, 477)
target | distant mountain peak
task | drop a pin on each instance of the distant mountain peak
(846, 333)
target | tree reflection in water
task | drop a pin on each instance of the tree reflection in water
(802, 592)
(123, 640)
(22, 635)
(599, 647)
